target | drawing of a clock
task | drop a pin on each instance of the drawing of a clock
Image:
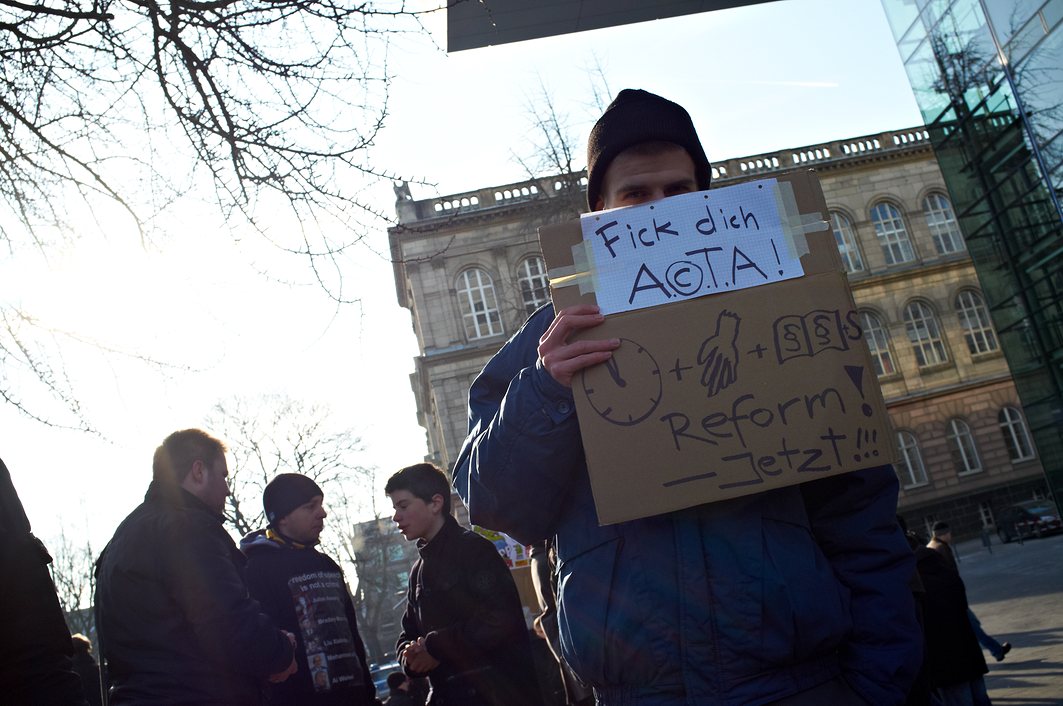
(625, 389)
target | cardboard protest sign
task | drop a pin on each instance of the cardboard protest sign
(692, 245)
(742, 365)
(529, 599)
(512, 552)
(518, 558)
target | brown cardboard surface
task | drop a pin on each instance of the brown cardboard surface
(526, 588)
(729, 394)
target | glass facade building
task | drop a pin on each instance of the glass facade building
(988, 78)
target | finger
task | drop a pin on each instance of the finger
(578, 348)
(565, 362)
(565, 324)
(563, 372)
(577, 310)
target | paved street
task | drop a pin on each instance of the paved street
(1017, 593)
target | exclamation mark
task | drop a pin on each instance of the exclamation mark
(774, 250)
(856, 374)
(866, 435)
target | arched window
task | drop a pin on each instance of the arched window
(534, 286)
(892, 234)
(845, 236)
(925, 334)
(961, 446)
(974, 320)
(910, 469)
(942, 223)
(878, 341)
(479, 308)
(1016, 438)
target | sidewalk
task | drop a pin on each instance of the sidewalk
(1017, 593)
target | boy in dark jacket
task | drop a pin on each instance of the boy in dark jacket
(304, 591)
(463, 626)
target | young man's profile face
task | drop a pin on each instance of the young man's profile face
(416, 518)
(304, 523)
(634, 177)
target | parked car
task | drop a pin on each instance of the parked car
(1033, 518)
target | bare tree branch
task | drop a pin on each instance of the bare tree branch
(274, 434)
(112, 112)
(73, 572)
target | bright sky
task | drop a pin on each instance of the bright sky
(782, 74)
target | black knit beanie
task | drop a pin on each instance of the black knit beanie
(287, 492)
(637, 116)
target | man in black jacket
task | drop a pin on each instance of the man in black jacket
(304, 591)
(463, 626)
(954, 662)
(176, 623)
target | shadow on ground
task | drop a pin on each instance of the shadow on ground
(1015, 673)
(1028, 639)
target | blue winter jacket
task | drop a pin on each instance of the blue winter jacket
(743, 601)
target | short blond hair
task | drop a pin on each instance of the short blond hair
(175, 456)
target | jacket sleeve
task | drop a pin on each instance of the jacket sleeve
(524, 447)
(853, 517)
(411, 629)
(494, 615)
(211, 594)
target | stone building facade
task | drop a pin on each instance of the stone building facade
(469, 269)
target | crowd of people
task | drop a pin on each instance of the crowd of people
(796, 596)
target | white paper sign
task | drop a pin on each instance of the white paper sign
(687, 246)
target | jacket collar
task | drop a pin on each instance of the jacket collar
(285, 541)
(271, 540)
(450, 526)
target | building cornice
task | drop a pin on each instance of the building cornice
(924, 395)
(918, 268)
(428, 216)
(462, 352)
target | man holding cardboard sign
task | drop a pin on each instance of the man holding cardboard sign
(797, 594)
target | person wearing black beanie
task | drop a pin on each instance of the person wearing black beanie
(637, 117)
(285, 493)
(304, 592)
(794, 596)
